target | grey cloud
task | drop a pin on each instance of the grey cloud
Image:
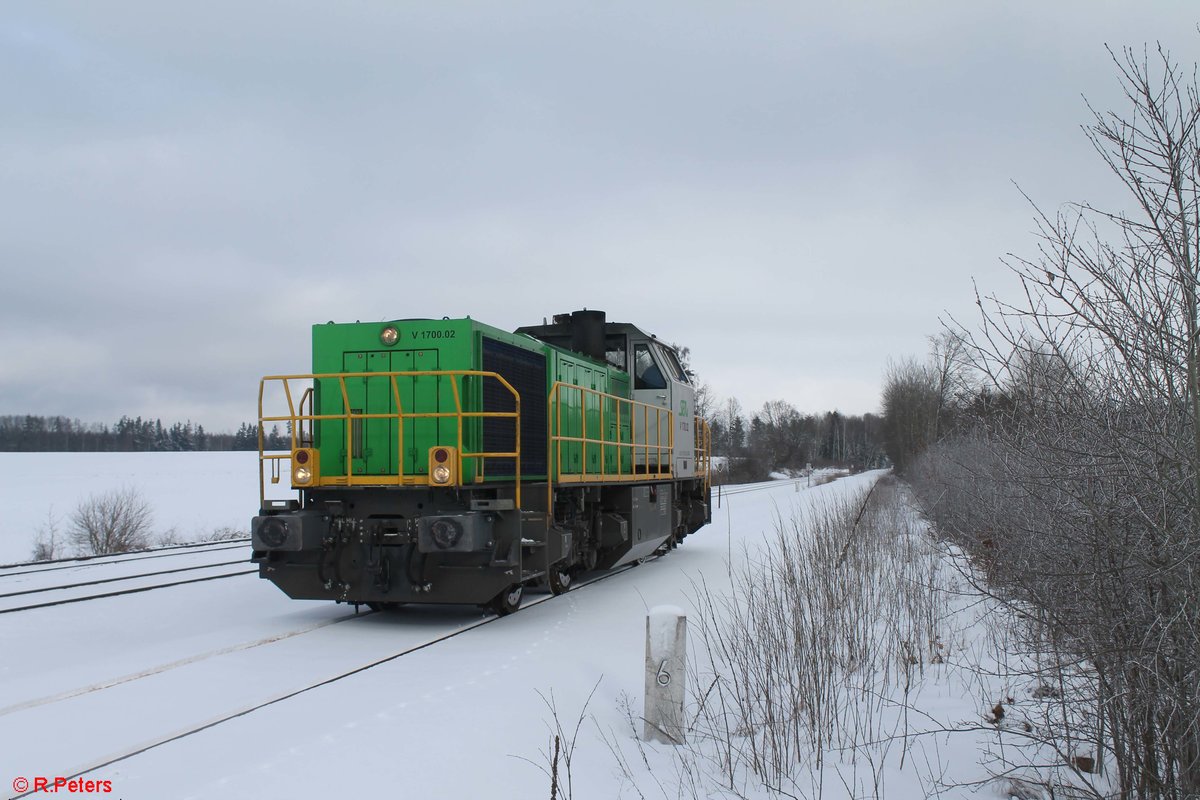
(794, 191)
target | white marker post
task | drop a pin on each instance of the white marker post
(666, 651)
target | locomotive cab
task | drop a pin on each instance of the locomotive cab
(659, 379)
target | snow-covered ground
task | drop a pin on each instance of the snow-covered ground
(81, 684)
(191, 494)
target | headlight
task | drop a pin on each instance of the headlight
(389, 336)
(304, 466)
(443, 466)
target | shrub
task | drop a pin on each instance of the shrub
(115, 522)
(47, 546)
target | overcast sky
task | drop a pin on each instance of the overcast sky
(796, 191)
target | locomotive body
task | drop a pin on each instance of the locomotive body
(448, 461)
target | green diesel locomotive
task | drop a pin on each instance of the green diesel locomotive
(448, 461)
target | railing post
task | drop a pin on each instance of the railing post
(666, 648)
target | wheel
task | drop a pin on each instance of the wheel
(508, 600)
(560, 579)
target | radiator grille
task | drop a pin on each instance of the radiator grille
(526, 371)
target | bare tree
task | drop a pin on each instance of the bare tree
(735, 426)
(115, 522)
(918, 397)
(1082, 487)
(47, 546)
(910, 410)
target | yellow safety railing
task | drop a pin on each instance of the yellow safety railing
(301, 424)
(625, 410)
(703, 452)
(305, 438)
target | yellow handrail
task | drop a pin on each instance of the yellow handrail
(555, 440)
(306, 399)
(296, 422)
(703, 458)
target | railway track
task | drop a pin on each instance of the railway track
(29, 589)
(168, 551)
(742, 488)
(250, 708)
(120, 592)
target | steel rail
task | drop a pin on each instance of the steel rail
(108, 762)
(118, 558)
(128, 591)
(122, 578)
(742, 488)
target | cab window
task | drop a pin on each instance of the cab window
(646, 373)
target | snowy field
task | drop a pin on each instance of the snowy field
(191, 494)
(87, 683)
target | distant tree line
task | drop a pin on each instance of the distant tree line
(31, 433)
(778, 437)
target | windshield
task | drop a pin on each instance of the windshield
(668, 357)
(646, 373)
